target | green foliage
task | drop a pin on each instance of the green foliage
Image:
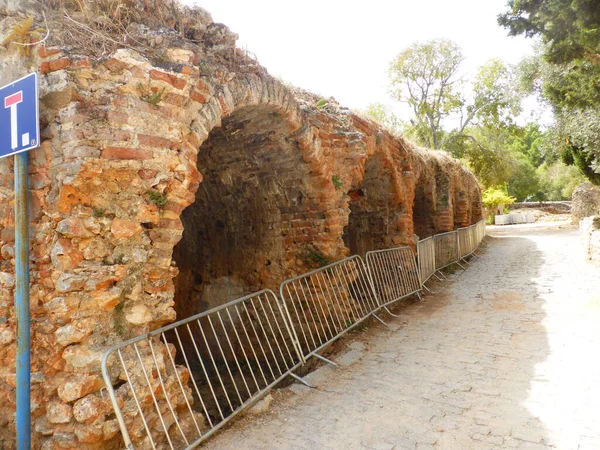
(160, 200)
(571, 28)
(566, 85)
(98, 213)
(337, 182)
(494, 198)
(321, 103)
(150, 96)
(575, 140)
(565, 72)
(315, 258)
(383, 115)
(425, 77)
(496, 101)
(557, 181)
(523, 184)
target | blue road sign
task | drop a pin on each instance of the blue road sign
(19, 116)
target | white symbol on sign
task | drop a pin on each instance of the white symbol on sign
(11, 102)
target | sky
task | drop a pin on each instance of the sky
(343, 48)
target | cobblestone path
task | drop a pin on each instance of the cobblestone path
(506, 355)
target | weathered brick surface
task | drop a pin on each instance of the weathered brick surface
(160, 187)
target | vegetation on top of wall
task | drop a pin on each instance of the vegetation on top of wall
(24, 35)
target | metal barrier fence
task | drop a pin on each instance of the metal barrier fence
(446, 249)
(181, 383)
(184, 381)
(467, 242)
(326, 303)
(426, 258)
(480, 230)
(394, 273)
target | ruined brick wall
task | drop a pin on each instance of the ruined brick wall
(142, 212)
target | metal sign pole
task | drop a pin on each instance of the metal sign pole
(22, 303)
(20, 132)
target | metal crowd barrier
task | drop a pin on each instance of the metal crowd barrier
(480, 227)
(394, 273)
(326, 303)
(446, 249)
(183, 382)
(426, 258)
(467, 242)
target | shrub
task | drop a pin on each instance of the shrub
(495, 197)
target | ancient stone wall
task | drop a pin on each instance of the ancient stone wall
(167, 185)
(586, 202)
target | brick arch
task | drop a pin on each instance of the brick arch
(424, 206)
(380, 195)
(260, 204)
(476, 207)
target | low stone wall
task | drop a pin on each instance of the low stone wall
(551, 207)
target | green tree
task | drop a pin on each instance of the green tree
(384, 115)
(425, 76)
(566, 71)
(558, 181)
(527, 141)
(571, 28)
(523, 182)
(493, 198)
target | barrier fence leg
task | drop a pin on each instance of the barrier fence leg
(302, 380)
(460, 265)
(380, 320)
(442, 278)
(428, 290)
(389, 312)
(322, 358)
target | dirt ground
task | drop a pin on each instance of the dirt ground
(504, 355)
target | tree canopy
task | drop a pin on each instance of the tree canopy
(565, 72)
(425, 77)
(570, 27)
(474, 120)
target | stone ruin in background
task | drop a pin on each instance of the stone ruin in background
(176, 174)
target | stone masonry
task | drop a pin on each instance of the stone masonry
(170, 182)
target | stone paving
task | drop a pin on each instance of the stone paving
(503, 356)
